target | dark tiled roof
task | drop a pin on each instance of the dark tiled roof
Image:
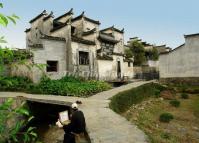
(128, 60)
(146, 44)
(70, 12)
(118, 54)
(38, 16)
(27, 30)
(173, 49)
(133, 38)
(160, 46)
(59, 26)
(80, 40)
(104, 57)
(36, 46)
(107, 38)
(49, 16)
(196, 34)
(86, 18)
(114, 29)
(53, 38)
(89, 32)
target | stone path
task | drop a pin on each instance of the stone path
(103, 125)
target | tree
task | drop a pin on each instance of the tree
(5, 53)
(10, 133)
(138, 52)
(128, 53)
(152, 54)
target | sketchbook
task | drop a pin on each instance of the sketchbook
(64, 118)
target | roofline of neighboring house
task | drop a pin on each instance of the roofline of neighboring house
(59, 27)
(83, 41)
(133, 38)
(117, 54)
(173, 49)
(190, 35)
(53, 38)
(38, 16)
(113, 28)
(104, 57)
(73, 38)
(160, 46)
(89, 32)
(88, 19)
(70, 12)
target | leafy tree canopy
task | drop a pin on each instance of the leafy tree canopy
(138, 52)
(128, 53)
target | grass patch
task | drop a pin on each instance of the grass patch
(195, 107)
(123, 100)
(148, 110)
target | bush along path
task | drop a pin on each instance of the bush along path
(103, 124)
(67, 86)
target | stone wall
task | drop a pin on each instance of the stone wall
(180, 80)
(22, 70)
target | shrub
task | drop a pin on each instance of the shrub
(69, 86)
(14, 83)
(166, 135)
(175, 103)
(184, 96)
(166, 117)
(123, 100)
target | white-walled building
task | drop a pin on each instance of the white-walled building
(182, 63)
(76, 46)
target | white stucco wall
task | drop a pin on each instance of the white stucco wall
(108, 69)
(128, 71)
(90, 25)
(84, 69)
(182, 62)
(52, 51)
(152, 63)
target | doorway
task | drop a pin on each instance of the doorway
(118, 70)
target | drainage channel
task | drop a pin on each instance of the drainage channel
(46, 114)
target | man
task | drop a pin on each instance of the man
(77, 125)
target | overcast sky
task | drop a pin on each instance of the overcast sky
(155, 21)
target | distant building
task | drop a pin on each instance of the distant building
(148, 47)
(76, 46)
(182, 63)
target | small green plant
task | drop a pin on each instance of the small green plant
(157, 93)
(175, 103)
(166, 117)
(184, 96)
(166, 136)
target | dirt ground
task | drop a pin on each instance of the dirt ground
(184, 128)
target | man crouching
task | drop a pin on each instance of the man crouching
(77, 125)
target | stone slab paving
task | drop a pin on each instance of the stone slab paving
(103, 125)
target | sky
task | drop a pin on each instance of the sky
(154, 21)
